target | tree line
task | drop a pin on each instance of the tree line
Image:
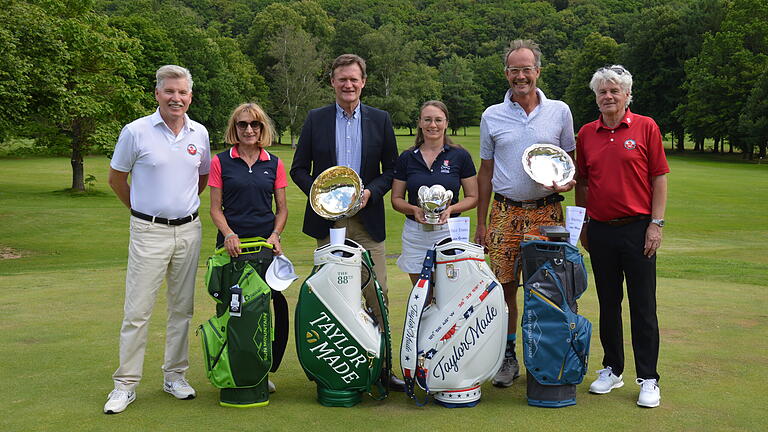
(72, 72)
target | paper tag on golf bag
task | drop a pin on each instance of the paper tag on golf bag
(236, 301)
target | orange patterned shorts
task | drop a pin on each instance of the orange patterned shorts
(506, 228)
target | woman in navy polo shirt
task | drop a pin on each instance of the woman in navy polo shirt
(245, 179)
(433, 159)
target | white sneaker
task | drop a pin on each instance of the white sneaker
(180, 389)
(606, 381)
(118, 401)
(271, 386)
(650, 395)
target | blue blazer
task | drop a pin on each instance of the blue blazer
(316, 152)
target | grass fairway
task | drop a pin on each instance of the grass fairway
(61, 297)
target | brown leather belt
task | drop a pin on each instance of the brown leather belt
(529, 205)
(625, 220)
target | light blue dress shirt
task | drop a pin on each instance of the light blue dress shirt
(349, 146)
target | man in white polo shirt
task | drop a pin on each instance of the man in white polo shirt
(520, 205)
(167, 157)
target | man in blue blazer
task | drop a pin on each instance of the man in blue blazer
(351, 134)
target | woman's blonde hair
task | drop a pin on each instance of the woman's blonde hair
(267, 129)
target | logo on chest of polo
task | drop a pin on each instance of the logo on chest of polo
(192, 149)
(335, 347)
(445, 168)
(630, 144)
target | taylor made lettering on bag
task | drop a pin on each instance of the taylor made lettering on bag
(451, 363)
(330, 343)
(453, 341)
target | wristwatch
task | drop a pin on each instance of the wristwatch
(659, 222)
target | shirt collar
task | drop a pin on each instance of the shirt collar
(542, 99)
(343, 114)
(445, 149)
(626, 121)
(157, 119)
(234, 154)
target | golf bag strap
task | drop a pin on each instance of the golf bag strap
(409, 351)
(382, 381)
(280, 306)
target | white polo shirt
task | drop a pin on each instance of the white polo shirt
(165, 168)
(506, 131)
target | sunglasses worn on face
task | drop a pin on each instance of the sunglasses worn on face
(243, 125)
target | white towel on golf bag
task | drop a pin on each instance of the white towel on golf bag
(457, 341)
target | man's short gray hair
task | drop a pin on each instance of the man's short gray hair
(172, 72)
(616, 74)
(527, 44)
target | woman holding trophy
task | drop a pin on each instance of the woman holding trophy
(444, 168)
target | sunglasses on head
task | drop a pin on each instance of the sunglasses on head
(617, 69)
(244, 125)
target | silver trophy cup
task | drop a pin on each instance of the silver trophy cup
(434, 201)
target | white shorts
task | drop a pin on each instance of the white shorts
(416, 242)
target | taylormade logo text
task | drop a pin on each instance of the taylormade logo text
(472, 335)
(340, 354)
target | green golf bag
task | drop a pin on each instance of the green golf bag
(237, 341)
(339, 344)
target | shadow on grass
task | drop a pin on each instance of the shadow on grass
(75, 193)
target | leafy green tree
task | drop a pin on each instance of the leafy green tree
(598, 51)
(460, 93)
(658, 43)
(418, 83)
(753, 121)
(489, 77)
(720, 79)
(80, 103)
(296, 78)
(391, 73)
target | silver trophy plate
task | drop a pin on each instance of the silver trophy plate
(547, 164)
(336, 193)
(434, 200)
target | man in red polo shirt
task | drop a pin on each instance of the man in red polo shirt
(621, 180)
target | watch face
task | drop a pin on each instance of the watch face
(659, 222)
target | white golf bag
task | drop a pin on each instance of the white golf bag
(455, 326)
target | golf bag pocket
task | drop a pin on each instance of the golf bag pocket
(250, 339)
(215, 355)
(555, 339)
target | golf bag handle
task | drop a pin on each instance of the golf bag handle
(255, 243)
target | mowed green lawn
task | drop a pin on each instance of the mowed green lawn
(61, 305)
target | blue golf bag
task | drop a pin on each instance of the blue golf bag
(555, 337)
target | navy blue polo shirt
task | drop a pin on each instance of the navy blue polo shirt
(450, 166)
(247, 194)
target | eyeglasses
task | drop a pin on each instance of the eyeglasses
(437, 120)
(516, 70)
(243, 125)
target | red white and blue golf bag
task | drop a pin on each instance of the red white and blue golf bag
(455, 326)
(555, 337)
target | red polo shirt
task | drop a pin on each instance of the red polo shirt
(619, 164)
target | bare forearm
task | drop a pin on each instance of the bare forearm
(118, 181)
(659, 196)
(281, 210)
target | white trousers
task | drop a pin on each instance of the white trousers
(158, 251)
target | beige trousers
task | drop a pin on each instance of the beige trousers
(378, 250)
(156, 252)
